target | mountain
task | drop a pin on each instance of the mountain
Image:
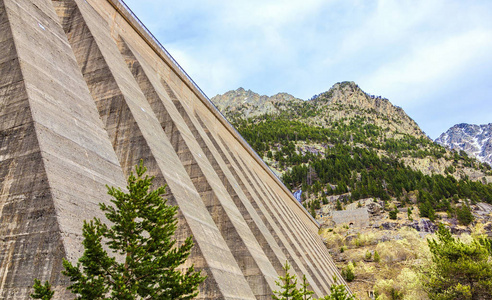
(250, 104)
(343, 101)
(367, 173)
(347, 141)
(475, 140)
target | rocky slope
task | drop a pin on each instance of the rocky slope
(475, 140)
(369, 175)
(346, 100)
(250, 104)
(400, 244)
(343, 101)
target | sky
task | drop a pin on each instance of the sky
(433, 58)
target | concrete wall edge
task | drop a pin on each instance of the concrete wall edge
(145, 34)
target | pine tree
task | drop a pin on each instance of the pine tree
(288, 286)
(305, 293)
(393, 215)
(141, 236)
(339, 205)
(41, 291)
(464, 215)
(427, 211)
(338, 292)
(459, 270)
(348, 273)
(377, 258)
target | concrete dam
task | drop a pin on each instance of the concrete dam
(86, 91)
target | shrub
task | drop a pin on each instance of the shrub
(348, 272)
(464, 215)
(377, 258)
(395, 250)
(393, 214)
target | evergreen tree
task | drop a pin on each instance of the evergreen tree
(393, 215)
(348, 273)
(427, 211)
(377, 258)
(141, 238)
(41, 291)
(464, 215)
(459, 270)
(288, 289)
(305, 293)
(288, 286)
(312, 211)
(338, 292)
(339, 205)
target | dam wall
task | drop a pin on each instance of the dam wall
(86, 92)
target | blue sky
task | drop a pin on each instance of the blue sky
(431, 57)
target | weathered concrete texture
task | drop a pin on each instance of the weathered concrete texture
(85, 93)
(55, 157)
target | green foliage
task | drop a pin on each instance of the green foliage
(450, 170)
(312, 212)
(377, 258)
(348, 273)
(464, 215)
(338, 292)
(339, 205)
(41, 291)
(486, 243)
(393, 214)
(459, 270)
(304, 291)
(288, 286)
(426, 211)
(368, 175)
(351, 160)
(396, 294)
(141, 234)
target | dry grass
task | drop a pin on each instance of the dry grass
(406, 285)
(400, 253)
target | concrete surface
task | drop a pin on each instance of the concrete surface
(85, 93)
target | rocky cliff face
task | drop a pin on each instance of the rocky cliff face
(342, 102)
(347, 100)
(346, 103)
(475, 140)
(250, 104)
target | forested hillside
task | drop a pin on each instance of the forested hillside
(346, 142)
(347, 152)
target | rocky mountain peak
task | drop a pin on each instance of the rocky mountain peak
(475, 140)
(348, 97)
(343, 101)
(250, 104)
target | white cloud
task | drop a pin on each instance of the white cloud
(411, 51)
(433, 66)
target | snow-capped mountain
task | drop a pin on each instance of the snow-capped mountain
(475, 140)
